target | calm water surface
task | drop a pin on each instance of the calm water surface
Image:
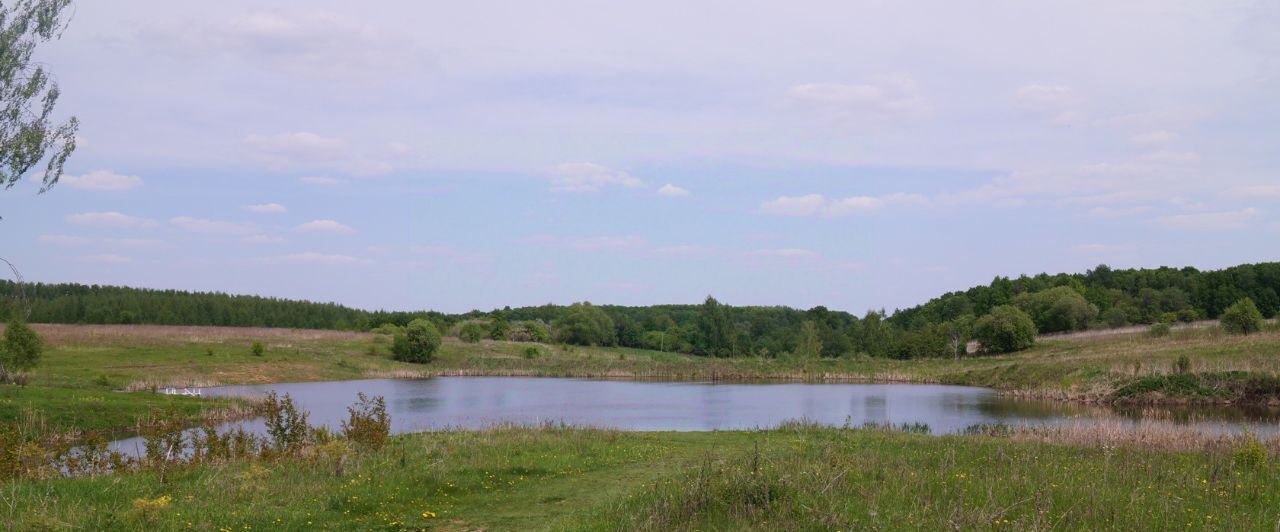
(476, 402)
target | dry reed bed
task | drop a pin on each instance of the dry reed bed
(1146, 434)
(57, 334)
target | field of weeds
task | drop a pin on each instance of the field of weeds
(798, 477)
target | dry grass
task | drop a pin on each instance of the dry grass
(1146, 434)
(60, 334)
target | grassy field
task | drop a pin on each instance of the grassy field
(792, 478)
(85, 365)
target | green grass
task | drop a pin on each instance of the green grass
(64, 410)
(798, 478)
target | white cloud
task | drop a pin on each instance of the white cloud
(1156, 137)
(1173, 157)
(588, 177)
(680, 250)
(268, 208)
(672, 191)
(1254, 191)
(1103, 211)
(1224, 220)
(598, 243)
(320, 181)
(817, 204)
(107, 258)
(797, 254)
(293, 150)
(308, 42)
(213, 227)
(109, 220)
(79, 241)
(311, 257)
(806, 205)
(102, 180)
(65, 240)
(325, 226)
(263, 239)
(1060, 103)
(893, 95)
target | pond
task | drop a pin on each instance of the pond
(477, 402)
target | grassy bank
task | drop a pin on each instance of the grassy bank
(797, 477)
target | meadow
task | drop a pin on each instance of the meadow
(796, 477)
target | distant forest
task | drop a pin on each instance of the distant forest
(1099, 298)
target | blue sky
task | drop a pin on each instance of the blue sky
(857, 155)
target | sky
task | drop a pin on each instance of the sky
(472, 155)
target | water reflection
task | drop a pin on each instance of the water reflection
(475, 402)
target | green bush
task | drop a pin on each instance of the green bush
(1182, 365)
(257, 349)
(1159, 330)
(471, 332)
(21, 347)
(418, 343)
(1006, 329)
(531, 352)
(1251, 454)
(367, 424)
(1242, 317)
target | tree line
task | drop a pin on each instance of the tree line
(1004, 315)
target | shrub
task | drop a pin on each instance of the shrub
(1159, 330)
(418, 343)
(471, 332)
(1182, 365)
(1250, 454)
(531, 352)
(387, 328)
(208, 351)
(499, 329)
(1006, 329)
(367, 424)
(21, 347)
(1115, 317)
(1187, 315)
(257, 349)
(286, 425)
(1242, 317)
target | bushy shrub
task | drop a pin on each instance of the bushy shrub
(471, 332)
(257, 349)
(367, 424)
(1115, 317)
(418, 343)
(1187, 315)
(1242, 317)
(1159, 330)
(286, 425)
(531, 352)
(1006, 329)
(1182, 365)
(21, 347)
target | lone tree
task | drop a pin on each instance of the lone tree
(418, 343)
(1242, 317)
(28, 94)
(1005, 330)
(21, 348)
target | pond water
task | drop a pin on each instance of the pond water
(477, 402)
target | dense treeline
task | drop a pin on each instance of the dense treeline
(1008, 310)
(77, 303)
